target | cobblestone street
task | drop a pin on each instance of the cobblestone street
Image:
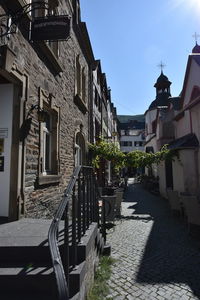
(155, 257)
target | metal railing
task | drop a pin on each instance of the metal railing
(78, 209)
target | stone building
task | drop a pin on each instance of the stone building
(103, 122)
(132, 136)
(53, 76)
(54, 100)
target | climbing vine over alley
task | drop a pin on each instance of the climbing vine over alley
(110, 151)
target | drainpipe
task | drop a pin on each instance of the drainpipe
(196, 163)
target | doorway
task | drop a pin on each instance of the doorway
(6, 124)
(169, 174)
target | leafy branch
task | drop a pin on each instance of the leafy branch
(109, 151)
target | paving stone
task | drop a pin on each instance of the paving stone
(156, 258)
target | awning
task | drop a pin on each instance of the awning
(187, 141)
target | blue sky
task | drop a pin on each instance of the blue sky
(131, 37)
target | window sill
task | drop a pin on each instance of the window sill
(52, 59)
(48, 179)
(80, 104)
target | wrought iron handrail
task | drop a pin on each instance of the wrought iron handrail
(82, 180)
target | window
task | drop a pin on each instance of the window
(78, 156)
(97, 100)
(83, 84)
(154, 126)
(78, 76)
(96, 97)
(79, 149)
(49, 136)
(126, 143)
(46, 132)
(51, 11)
(80, 85)
(38, 9)
(138, 143)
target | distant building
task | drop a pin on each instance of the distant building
(131, 132)
(159, 128)
(132, 135)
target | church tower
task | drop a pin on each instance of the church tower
(196, 49)
(163, 93)
(162, 85)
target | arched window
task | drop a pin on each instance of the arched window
(79, 149)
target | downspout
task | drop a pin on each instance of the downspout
(196, 159)
(196, 163)
(191, 127)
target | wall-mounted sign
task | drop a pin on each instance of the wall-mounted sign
(3, 132)
(1, 146)
(1, 163)
(52, 28)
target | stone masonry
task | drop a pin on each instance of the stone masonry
(155, 257)
(41, 201)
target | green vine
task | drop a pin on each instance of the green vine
(109, 151)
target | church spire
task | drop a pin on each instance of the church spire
(161, 65)
(162, 84)
(196, 48)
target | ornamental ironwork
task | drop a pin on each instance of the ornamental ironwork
(59, 24)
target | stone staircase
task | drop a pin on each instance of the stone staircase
(26, 271)
(25, 263)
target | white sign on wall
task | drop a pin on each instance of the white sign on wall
(3, 133)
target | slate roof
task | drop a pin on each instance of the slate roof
(162, 81)
(196, 57)
(196, 49)
(187, 141)
(131, 122)
(127, 118)
(176, 102)
(126, 126)
(161, 100)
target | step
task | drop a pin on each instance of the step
(27, 280)
(26, 240)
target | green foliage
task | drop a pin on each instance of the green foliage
(142, 159)
(109, 151)
(100, 289)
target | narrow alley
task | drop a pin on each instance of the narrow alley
(154, 256)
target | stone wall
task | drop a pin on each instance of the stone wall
(91, 262)
(41, 201)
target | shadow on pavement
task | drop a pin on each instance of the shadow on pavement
(170, 255)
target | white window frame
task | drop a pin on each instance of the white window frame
(46, 132)
(78, 155)
(80, 80)
(50, 167)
